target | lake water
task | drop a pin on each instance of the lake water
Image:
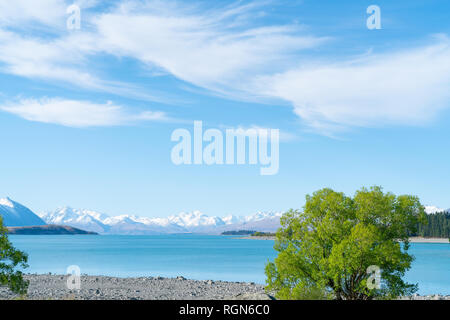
(196, 257)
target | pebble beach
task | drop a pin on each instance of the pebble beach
(54, 287)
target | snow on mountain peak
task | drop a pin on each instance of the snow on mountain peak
(260, 215)
(231, 219)
(16, 215)
(195, 221)
(83, 219)
(125, 218)
(434, 209)
(7, 202)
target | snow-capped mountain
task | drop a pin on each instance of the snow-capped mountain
(433, 209)
(184, 222)
(259, 221)
(258, 216)
(16, 215)
(128, 224)
(231, 219)
(82, 219)
(195, 219)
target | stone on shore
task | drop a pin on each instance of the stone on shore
(251, 296)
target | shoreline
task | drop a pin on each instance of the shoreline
(411, 240)
(428, 240)
(257, 237)
(54, 287)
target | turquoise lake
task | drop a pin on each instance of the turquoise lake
(195, 257)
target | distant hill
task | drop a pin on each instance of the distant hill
(16, 215)
(238, 232)
(48, 230)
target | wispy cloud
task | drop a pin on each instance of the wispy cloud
(19, 12)
(225, 52)
(210, 49)
(26, 14)
(406, 87)
(66, 60)
(409, 87)
(73, 113)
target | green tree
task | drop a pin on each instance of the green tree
(10, 259)
(438, 225)
(325, 251)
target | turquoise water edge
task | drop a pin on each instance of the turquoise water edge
(198, 257)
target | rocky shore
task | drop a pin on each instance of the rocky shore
(426, 297)
(428, 240)
(54, 287)
(144, 288)
(258, 237)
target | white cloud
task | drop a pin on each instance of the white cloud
(408, 88)
(28, 14)
(210, 49)
(405, 87)
(19, 12)
(66, 60)
(73, 113)
(38, 58)
(221, 50)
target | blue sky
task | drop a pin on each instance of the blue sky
(86, 115)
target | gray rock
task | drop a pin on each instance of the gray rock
(111, 288)
(142, 288)
(252, 296)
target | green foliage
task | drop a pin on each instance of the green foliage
(327, 249)
(10, 259)
(263, 234)
(437, 226)
(237, 233)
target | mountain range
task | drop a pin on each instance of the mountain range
(16, 215)
(184, 222)
(192, 222)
